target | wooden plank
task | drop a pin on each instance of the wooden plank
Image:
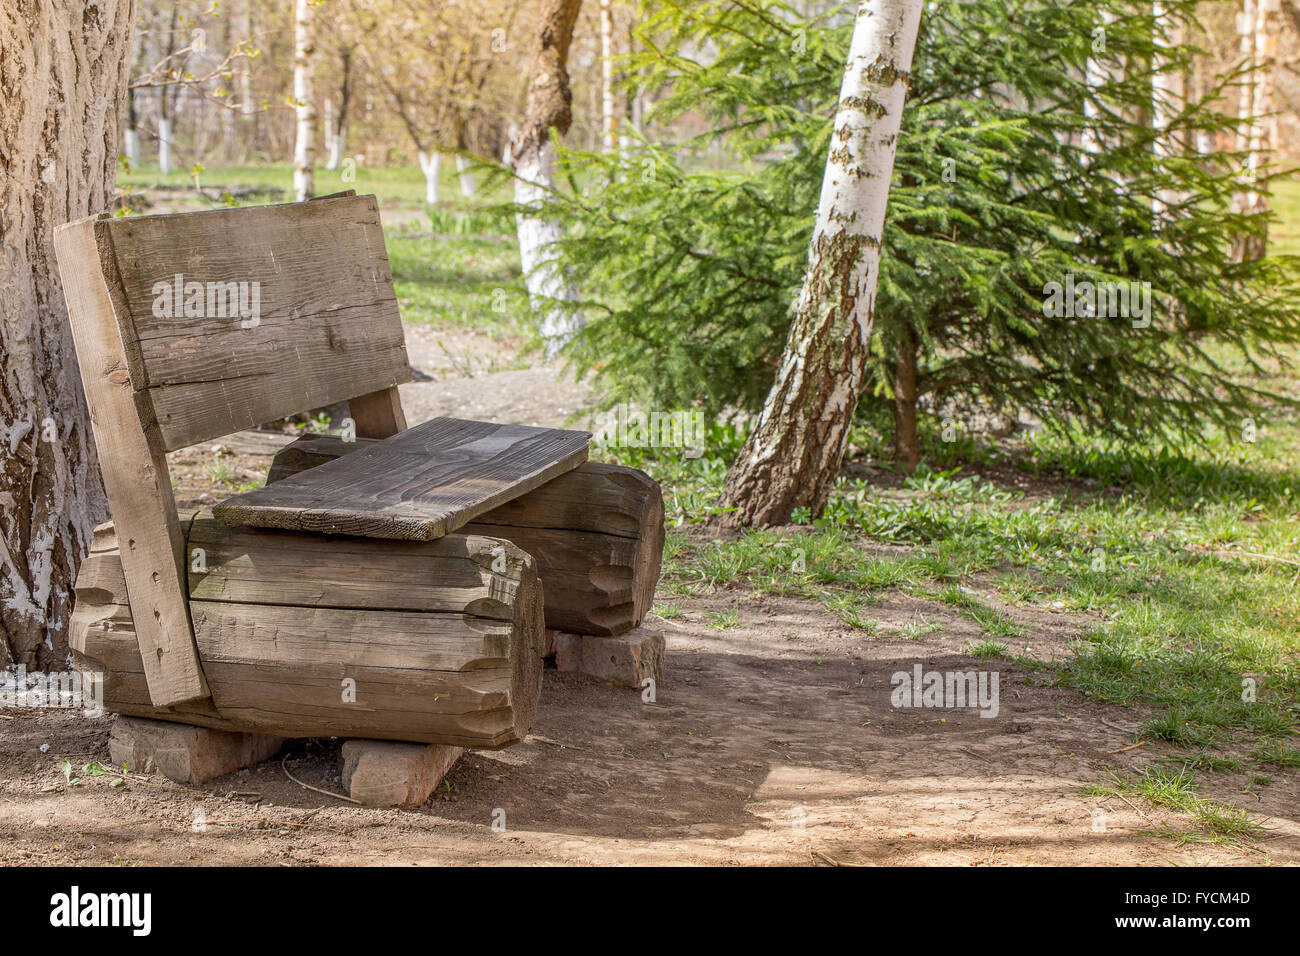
(379, 414)
(133, 463)
(257, 566)
(595, 496)
(469, 676)
(326, 326)
(417, 485)
(597, 533)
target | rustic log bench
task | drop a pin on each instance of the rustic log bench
(364, 592)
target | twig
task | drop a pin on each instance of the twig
(1140, 743)
(555, 743)
(1131, 804)
(307, 786)
(822, 856)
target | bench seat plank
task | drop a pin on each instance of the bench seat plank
(417, 485)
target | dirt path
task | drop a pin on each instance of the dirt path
(771, 742)
(774, 741)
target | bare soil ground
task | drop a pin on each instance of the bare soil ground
(770, 742)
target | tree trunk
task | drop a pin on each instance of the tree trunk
(62, 88)
(331, 152)
(794, 450)
(1167, 99)
(1258, 27)
(247, 106)
(164, 115)
(907, 446)
(465, 176)
(431, 166)
(304, 67)
(1096, 72)
(532, 157)
(608, 125)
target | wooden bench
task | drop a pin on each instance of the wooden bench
(341, 601)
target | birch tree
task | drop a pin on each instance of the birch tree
(531, 156)
(608, 124)
(443, 83)
(62, 90)
(1258, 27)
(304, 67)
(794, 450)
(1168, 95)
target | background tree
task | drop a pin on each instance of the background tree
(445, 71)
(532, 158)
(304, 101)
(794, 450)
(688, 272)
(62, 90)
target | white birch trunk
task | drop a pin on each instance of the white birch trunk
(1167, 99)
(465, 176)
(535, 179)
(333, 148)
(304, 65)
(131, 146)
(164, 145)
(608, 123)
(1258, 28)
(1095, 74)
(431, 166)
(531, 156)
(793, 453)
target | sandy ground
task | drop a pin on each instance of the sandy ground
(773, 741)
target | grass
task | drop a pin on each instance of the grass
(1175, 790)
(1179, 560)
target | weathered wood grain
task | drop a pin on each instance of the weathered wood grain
(597, 533)
(132, 461)
(379, 414)
(610, 499)
(259, 566)
(327, 327)
(417, 485)
(467, 676)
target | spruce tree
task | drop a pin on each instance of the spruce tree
(1028, 167)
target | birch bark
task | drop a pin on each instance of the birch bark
(794, 451)
(304, 68)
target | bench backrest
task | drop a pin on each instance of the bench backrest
(191, 326)
(236, 317)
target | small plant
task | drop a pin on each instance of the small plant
(1278, 754)
(723, 620)
(919, 627)
(848, 607)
